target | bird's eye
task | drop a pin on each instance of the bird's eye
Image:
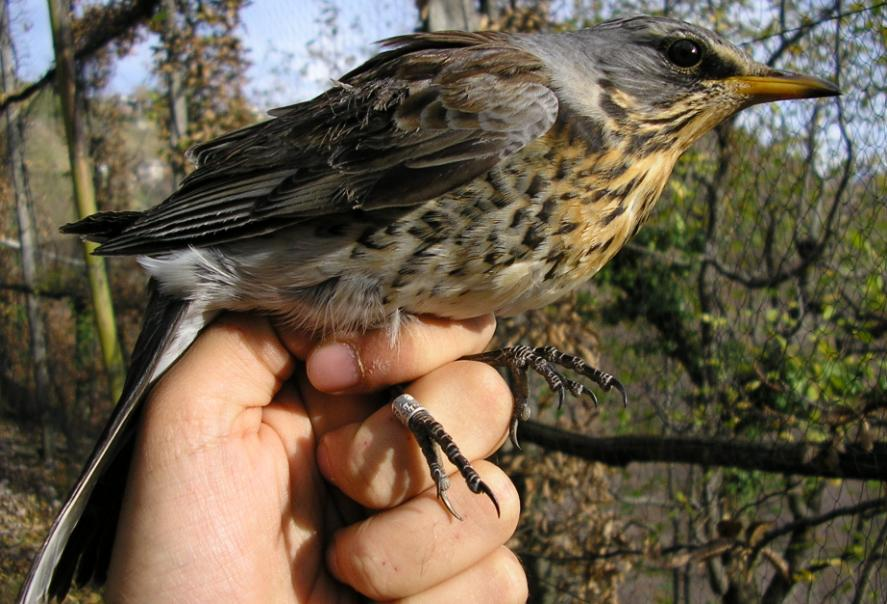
(684, 53)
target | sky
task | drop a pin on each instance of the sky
(282, 38)
(288, 43)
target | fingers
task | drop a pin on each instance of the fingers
(418, 545)
(236, 363)
(377, 462)
(372, 361)
(499, 577)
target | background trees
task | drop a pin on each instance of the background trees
(748, 317)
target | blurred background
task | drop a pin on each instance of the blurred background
(748, 319)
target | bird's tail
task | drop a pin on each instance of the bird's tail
(102, 226)
(78, 546)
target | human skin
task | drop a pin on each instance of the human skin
(230, 495)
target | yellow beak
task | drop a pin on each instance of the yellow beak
(779, 85)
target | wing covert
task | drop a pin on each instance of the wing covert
(416, 121)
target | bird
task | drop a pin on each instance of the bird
(453, 174)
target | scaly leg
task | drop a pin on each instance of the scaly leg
(544, 360)
(433, 439)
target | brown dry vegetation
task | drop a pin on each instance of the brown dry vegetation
(750, 311)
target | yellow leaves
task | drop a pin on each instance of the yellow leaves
(716, 321)
(786, 436)
(678, 189)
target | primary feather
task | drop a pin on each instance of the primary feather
(454, 174)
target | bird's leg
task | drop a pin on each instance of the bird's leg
(545, 361)
(520, 393)
(433, 440)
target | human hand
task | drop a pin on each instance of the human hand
(227, 500)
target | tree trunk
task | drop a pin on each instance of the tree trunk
(450, 14)
(175, 90)
(42, 404)
(84, 194)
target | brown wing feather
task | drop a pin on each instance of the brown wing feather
(423, 118)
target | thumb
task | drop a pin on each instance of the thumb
(373, 361)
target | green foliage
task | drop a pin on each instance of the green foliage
(752, 307)
(759, 288)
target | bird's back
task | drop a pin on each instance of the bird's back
(534, 226)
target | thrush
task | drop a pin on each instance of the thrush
(453, 174)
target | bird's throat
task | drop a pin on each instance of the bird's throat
(607, 192)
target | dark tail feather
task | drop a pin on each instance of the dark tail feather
(102, 226)
(79, 542)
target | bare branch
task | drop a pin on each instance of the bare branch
(807, 459)
(862, 588)
(870, 505)
(54, 294)
(99, 33)
(797, 34)
(825, 16)
(814, 252)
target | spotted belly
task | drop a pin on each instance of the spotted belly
(517, 238)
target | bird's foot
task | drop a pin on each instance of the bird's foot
(545, 360)
(433, 440)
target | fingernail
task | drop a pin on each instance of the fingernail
(334, 367)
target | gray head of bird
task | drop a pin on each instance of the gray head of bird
(662, 78)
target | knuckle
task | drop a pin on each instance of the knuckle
(358, 563)
(362, 469)
(376, 490)
(488, 384)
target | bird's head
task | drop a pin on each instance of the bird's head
(663, 79)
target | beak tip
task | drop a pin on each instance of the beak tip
(776, 85)
(829, 89)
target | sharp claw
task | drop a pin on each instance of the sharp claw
(512, 433)
(489, 493)
(446, 501)
(545, 361)
(618, 386)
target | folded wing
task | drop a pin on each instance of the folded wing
(423, 118)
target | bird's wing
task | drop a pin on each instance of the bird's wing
(423, 118)
(78, 545)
